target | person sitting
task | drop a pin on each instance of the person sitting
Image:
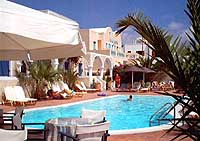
(130, 98)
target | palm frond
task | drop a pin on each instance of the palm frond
(181, 60)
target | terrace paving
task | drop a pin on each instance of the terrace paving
(150, 136)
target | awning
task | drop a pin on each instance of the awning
(27, 31)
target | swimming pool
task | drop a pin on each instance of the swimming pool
(123, 114)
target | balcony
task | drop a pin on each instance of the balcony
(109, 53)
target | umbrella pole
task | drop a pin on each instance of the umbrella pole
(132, 78)
(143, 76)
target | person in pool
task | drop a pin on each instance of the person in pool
(130, 98)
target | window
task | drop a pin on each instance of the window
(129, 51)
(107, 45)
(140, 52)
(94, 45)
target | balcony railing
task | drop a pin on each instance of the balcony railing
(109, 52)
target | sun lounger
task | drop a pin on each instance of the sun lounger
(58, 93)
(81, 87)
(11, 97)
(61, 90)
(146, 88)
(21, 95)
(88, 89)
(136, 87)
(65, 88)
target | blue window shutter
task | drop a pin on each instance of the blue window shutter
(4, 68)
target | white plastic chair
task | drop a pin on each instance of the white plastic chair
(13, 135)
(94, 132)
(94, 115)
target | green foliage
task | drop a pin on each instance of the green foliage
(42, 72)
(151, 63)
(70, 76)
(180, 60)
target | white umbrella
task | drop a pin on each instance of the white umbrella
(27, 31)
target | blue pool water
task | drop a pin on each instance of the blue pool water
(122, 114)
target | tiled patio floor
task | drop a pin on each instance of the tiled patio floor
(151, 136)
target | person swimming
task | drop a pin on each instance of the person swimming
(130, 98)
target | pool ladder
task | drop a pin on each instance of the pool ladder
(161, 113)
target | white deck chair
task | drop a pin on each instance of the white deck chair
(80, 88)
(56, 87)
(94, 115)
(13, 135)
(20, 95)
(136, 86)
(10, 94)
(95, 132)
(88, 89)
(61, 88)
(74, 93)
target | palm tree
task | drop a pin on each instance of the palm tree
(70, 77)
(146, 62)
(42, 72)
(181, 59)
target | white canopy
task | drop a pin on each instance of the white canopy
(24, 30)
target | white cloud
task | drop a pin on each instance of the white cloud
(129, 36)
(174, 26)
(177, 29)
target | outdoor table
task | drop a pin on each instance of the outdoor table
(66, 125)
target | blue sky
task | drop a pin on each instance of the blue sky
(168, 14)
